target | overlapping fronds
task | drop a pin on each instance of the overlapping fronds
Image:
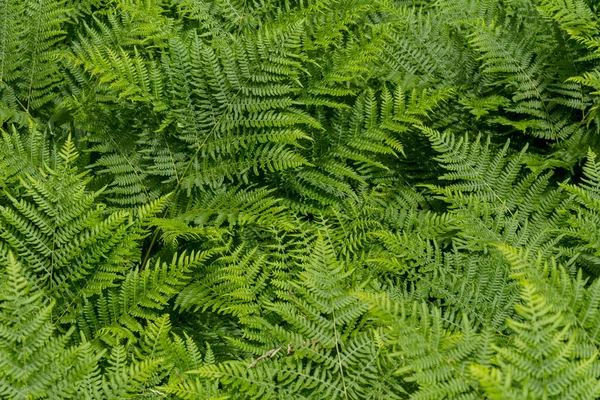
(341, 199)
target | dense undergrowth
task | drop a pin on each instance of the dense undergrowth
(299, 199)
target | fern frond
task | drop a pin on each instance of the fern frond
(34, 361)
(119, 312)
(123, 379)
(32, 33)
(541, 352)
(429, 352)
(516, 63)
(488, 190)
(585, 211)
(573, 16)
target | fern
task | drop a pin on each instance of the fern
(31, 34)
(119, 313)
(573, 16)
(584, 212)
(34, 361)
(547, 348)
(489, 190)
(299, 200)
(67, 241)
(429, 352)
(541, 362)
(312, 354)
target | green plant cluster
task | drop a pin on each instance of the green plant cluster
(300, 199)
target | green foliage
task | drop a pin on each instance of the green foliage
(32, 35)
(345, 199)
(551, 354)
(34, 360)
(37, 363)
